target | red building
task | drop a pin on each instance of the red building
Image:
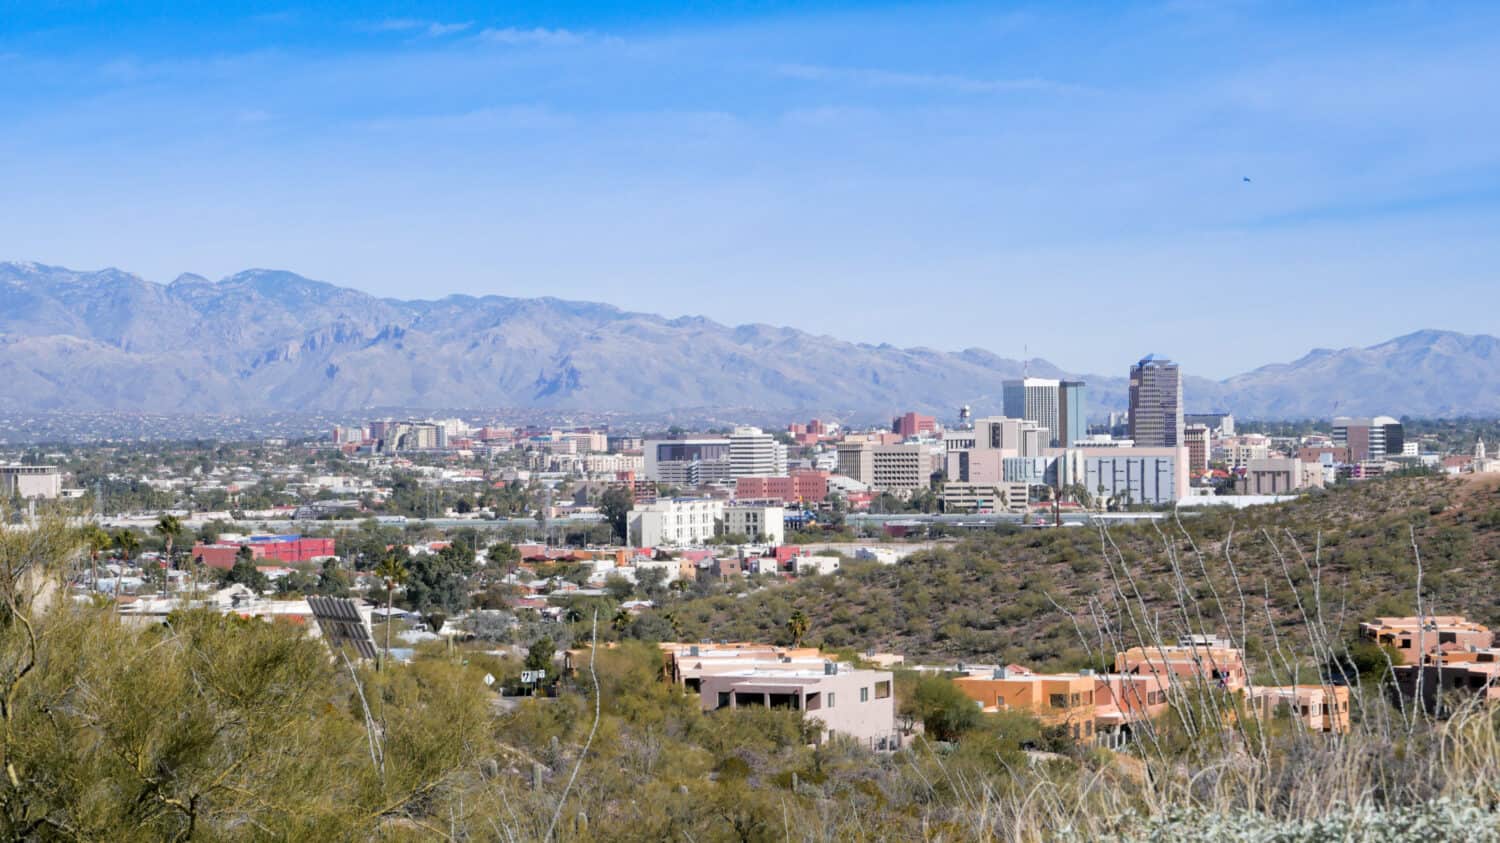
(801, 487)
(264, 550)
(912, 424)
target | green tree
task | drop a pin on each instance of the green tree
(332, 580)
(245, 572)
(505, 555)
(539, 654)
(615, 505)
(618, 587)
(945, 712)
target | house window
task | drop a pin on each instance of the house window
(1447, 638)
(723, 699)
(1059, 700)
(882, 690)
(830, 699)
(864, 694)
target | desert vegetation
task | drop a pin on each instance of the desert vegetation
(216, 728)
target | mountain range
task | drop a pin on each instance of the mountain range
(270, 340)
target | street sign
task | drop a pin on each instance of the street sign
(489, 679)
(531, 677)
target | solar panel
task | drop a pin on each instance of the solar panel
(342, 625)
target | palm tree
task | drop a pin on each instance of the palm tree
(672, 621)
(392, 571)
(97, 542)
(169, 528)
(797, 626)
(128, 546)
(621, 621)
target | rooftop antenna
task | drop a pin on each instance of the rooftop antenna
(1025, 361)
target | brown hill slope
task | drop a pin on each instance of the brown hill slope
(1062, 597)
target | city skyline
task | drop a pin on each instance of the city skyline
(727, 163)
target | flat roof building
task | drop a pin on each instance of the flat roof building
(30, 482)
(1413, 638)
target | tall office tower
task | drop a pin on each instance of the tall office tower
(1034, 399)
(1073, 425)
(1369, 439)
(1156, 403)
(755, 453)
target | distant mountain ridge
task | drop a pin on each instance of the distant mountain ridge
(273, 340)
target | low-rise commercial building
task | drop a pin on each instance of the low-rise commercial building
(264, 550)
(1279, 476)
(30, 482)
(800, 487)
(984, 497)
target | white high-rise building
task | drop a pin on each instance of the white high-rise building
(755, 453)
(1036, 400)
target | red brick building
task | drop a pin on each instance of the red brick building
(264, 550)
(802, 486)
(912, 424)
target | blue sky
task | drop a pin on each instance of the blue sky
(1063, 178)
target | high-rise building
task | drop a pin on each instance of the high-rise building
(1156, 403)
(1034, 399)
(1369, 439)
(1072, 423)
(1195, 436)
(755, 453)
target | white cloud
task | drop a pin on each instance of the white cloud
(540, 36)
(931, 81)
(437, 30)
(516, 117)
(395, 25)
(434, 29)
